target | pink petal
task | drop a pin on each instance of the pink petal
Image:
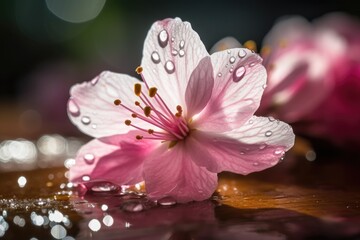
(200, 87)
(239, 83)
(117, 159)
(172, 173)
(91, 105)
(257, 145)
(171, 42)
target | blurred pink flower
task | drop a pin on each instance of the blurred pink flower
(191, 117)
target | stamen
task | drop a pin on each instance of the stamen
(127, 122)
(152, 91)
(117, 102)
(150, 131)
(137, 89)
(250, 45)
(134, 115)
(172, 144)
(265, 51)
(147, 111)
(139, 70)
(139, 137)
(137, 103)
(179, 108)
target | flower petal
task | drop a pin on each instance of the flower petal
(257, 145)
(200, 87)
(91, 105)
(172, 50)
(239, 84)
(117, 159)
(172, 173)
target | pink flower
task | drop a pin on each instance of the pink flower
(190, 118)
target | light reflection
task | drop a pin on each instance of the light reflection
(94, 225)
(108, 220)
(56, 216)
(22, 181)
(58, 231)
(52, 144)
(104, 207)
(20, 150)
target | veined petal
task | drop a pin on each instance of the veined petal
(255, 146)
(200, 87)
(239, 81)
(117, 159)
(172, 50)
(91, 105)
(172, 173)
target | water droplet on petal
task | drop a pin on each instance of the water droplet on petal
(239, 74)
(251, 121)
(85, 178)
(255, 164)
(232, 59)
(268, 133)
(169, 67)
(264, 86)
(278, 151)
(242, 153)
(167, 201)
(231, 70)
(228, 51)
(172, 39)
(155, 57)
(181, 53)
(242, 53)
(271, 119)
(86, 120)
(73, 108)
(103, 187)
(181, 44)
(132, 206)
(163, 38)
(94, 126)
(89, 158)
(174, 52)
(219, 74)
(252, 64)
(262, 146)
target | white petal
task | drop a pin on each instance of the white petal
(91, 105)
(171, 43)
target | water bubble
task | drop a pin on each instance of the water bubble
(232, 59)
(174, 52)
(242, 53)
(268, 133)
(89, 158)
(102, 187)
(86, 120)
(163, 38)
(239, 74)
(181, 53)
(167, 201)
(95, 80)
(169, 67)
(252, 64)
(181, 44)
(132, 206)
(73, 108)
(219, 74)
(155, 57)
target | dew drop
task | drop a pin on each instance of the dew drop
(255, 164)
(271, 119)
(155, 57)
(262, 146)
(174, 52)
(239, 74)
(228, 51)
(167, 201)
(86, 120)
(132, 206)
(89, 158)
(232, 59)
(278, 151)
(268, 133)
(251, 121)
(172, 39)
(163, 38)
(219, 74)
(264, 86)
(252, 64)
(181, 53)
(73, 108)
(95, 81)
(94, 126)
(231, 70)
(242, 53)
(181, 44)
(103, 187)
(169, 67)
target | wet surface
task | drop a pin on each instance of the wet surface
(305, 200)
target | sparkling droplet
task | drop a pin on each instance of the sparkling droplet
(256, 164)
(242, 53)
(181, 44)
(219, 74)
(94, 126)
(155, 57)
(89, 158)
(172, 39)
(264, 86)
(228, 51)
(278, 151)
(167, 201)
(252, 64)
(85, 178)
(232, 59)
(268, 133)
(102, 187)
(95, 80)
(163, 38)
(271, 119)
(86, 120)
(231, 70)
(73, 108)
(174, 52)
(263, 146)
(181, 53)
(169, 67)
(239, 74)
(133, 206)
(251, 121)
(242, 153)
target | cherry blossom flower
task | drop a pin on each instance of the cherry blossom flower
(189, 118)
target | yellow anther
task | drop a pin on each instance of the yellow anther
(147, 111)
(179, 108)
(150, 131)
(117, 102)
(265, 51)
(137, 89)
(178, 114)
(251, 45)
(172, 144)
(139, 70)
(134, 115)
(152, 91)
(137, 103)
(139, 137)
(127, 122)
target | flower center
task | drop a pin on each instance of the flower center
(152, 109)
